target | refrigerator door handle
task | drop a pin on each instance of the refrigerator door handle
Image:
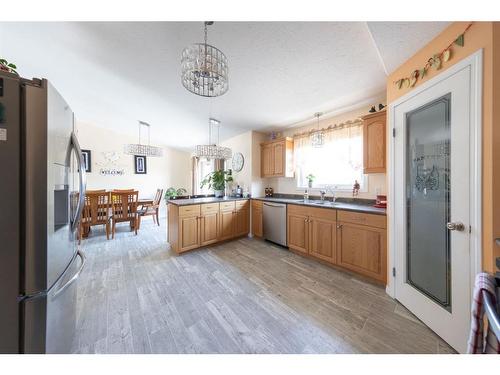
(61, 289)
(82, 182)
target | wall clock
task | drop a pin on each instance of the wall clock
(238, 161)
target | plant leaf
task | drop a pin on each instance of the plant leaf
(460, 41)
(12, 66)
(399, 83)
(413, 81)
(407, 82)
(422, 72)
(3, 61)
(436, 62)
(447, 55)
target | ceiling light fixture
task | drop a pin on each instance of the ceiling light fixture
(204, 69)
(140, 149)
(213, 150)
(317, 136)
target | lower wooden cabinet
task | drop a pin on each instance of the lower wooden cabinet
(298, 231)
(257, 229)
(353, 240)
(209, 225)
(190, 227)
(323, 234)
(189, 233)
(363, 249)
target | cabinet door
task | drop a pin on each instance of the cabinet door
(267, 162)
(374, 144)
(323, 235)
(226, 224)
(188, 233)
(256, 221)
(279, 159)
(209, 224)
(242, 224)
(362, 249)
(298, 233)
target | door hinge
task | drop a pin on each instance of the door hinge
(394, 132)
(393, 271)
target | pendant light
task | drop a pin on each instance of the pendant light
(317, 136)
(142, 149)
(204, 69)
(213, 150)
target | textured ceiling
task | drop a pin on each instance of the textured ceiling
(114, 74)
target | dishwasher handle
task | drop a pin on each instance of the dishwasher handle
(277, 206)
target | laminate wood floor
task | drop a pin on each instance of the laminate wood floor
(245, 296)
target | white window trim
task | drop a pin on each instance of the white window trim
(336, 187)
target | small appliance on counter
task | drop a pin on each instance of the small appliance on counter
(238, 192)
(381, 201)
(268, 191)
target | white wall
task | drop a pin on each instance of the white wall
(172, 169)
(377, 183)
(249, 177)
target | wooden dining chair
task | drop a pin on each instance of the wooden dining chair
(122, 190)
(95, 191)
(152, 209)
(124, 208)
(95, 212)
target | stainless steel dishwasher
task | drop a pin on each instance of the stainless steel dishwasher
(274, 222)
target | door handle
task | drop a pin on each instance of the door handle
(81, 254)
(455, 226)
(82, 180)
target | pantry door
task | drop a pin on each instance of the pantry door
(434, 181)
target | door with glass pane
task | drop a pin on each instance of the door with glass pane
(431, 200)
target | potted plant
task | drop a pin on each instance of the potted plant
(310, 178)
(173, 193)
(217, 181)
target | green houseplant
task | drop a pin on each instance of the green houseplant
(172, 193)
(310, 179)
(217, 181)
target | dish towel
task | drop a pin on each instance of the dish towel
(478, 344)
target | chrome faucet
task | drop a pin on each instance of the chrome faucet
(331, 190)
(322, 192)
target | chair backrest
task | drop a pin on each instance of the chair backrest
(124, 205)
(95, 191)
(159, 194)
(122, 190)
(96, 209)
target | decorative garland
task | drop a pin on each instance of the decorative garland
(435, 62)
(7, 66)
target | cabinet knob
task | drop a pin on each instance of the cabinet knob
(339, 226)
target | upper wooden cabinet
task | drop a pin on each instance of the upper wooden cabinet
(374, 140)
(277, 158)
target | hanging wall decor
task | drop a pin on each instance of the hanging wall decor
(140, 166)
(435, 62)
(87, 158)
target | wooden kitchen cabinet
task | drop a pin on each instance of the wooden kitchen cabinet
(193, 226)
(323, 235)
(363, 248)
(298, 228)
(374, 143)
(277, 158)
(257, 229)
(242, 218)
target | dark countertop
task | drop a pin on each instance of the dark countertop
(188, 202)
(349, 205)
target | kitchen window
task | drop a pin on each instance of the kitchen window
(338, 163)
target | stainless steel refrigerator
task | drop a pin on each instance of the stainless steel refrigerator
(42, 189)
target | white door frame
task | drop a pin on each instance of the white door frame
(475, 61)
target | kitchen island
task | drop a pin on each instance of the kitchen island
(197, 222)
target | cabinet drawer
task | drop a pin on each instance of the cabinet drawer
(298, 210)
(227, 206)
(323, 213)
(193, 210)
(378, 221)
(209, 208)
(241, 205)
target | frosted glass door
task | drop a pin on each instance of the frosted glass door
(428, 200)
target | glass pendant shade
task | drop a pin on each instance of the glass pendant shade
(142, 149)
(213, 150)
(317, 136)
(204, 69)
